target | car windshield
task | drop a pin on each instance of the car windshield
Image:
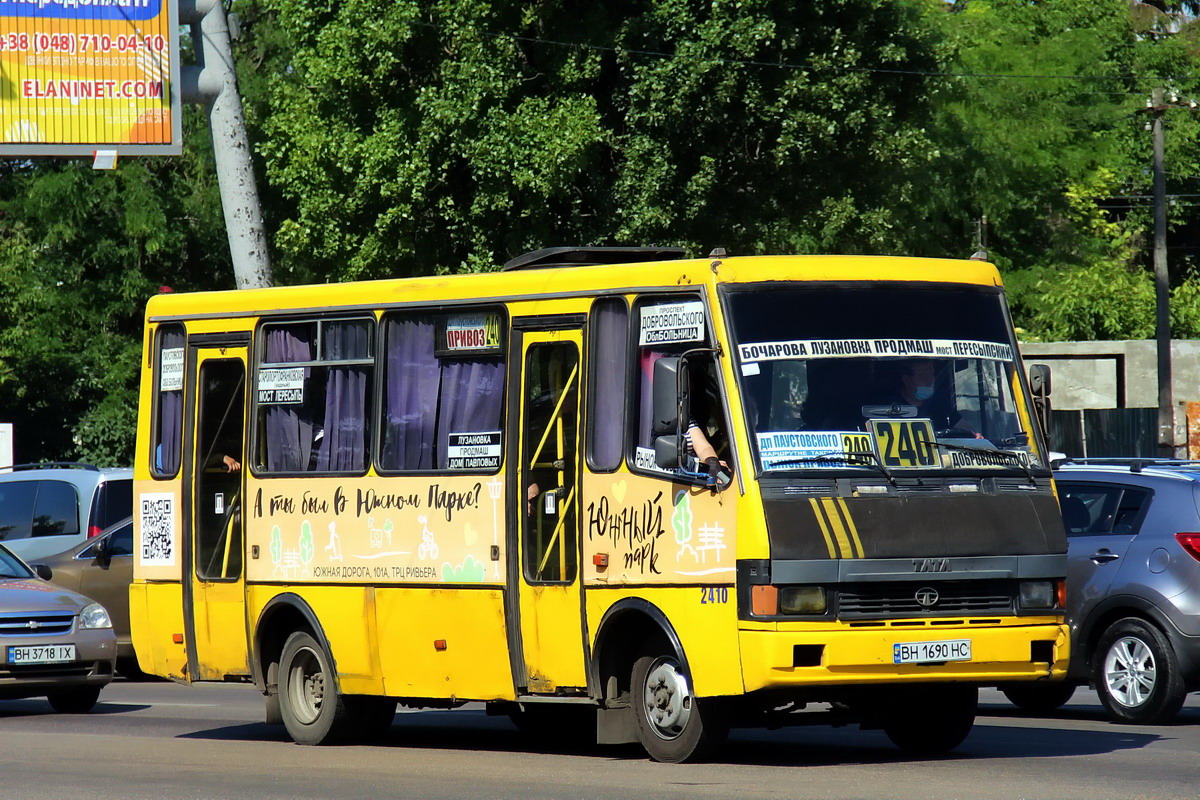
(11, 566)
(909, 378)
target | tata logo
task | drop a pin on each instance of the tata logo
(931, 565)
(926, 597)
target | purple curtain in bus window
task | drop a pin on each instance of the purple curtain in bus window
(342, 448)
(610, 373)
(289, 430)
(410, 395)
(170, 416)
(645, 401)
(472, 396)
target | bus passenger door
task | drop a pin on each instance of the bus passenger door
(547, 497)
(214, 589)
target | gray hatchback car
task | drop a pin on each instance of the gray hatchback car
(1133, 586)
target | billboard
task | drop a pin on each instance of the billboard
(78, 76)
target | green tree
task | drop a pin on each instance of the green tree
(406, 138)
(80, 253)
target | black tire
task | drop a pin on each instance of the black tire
(673, 725)
(77, 700)
(313, 709)
(1137, 674)
(1038, 698)
(931, 720)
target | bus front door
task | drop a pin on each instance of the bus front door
(214, 591)
(551, 654)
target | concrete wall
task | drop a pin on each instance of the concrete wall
(1120, 374)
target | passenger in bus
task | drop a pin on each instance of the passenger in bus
(705, 416)
(918, 386)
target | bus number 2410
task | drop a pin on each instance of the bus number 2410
(714, 594)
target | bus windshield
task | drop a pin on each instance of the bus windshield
(912, 378)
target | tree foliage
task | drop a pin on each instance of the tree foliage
(402, 137)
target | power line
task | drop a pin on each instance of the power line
(1156, 80)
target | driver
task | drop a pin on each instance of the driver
(917, 387)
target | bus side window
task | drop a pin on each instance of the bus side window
(168, 401)
(314, 384)
(434, 398)
(670, 327)
(608, 349)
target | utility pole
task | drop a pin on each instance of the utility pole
(213, 83)
(1157, 105)
(1162, 282)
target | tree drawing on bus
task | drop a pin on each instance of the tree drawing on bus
(307, 548)
(276, 546)
(469, 571)
(681, 521)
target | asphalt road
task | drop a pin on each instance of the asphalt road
(160, 740)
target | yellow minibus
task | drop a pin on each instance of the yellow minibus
(609, 491)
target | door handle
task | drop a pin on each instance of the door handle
(1103, 556)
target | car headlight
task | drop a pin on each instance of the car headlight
(1037, 594)
(94, 616)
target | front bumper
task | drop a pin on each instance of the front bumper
(1028, 649)
(95, 654)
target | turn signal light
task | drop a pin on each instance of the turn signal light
(764, 600)
(600, 560)
(1190, 542)
(177, 638)
(94, 530)
(1060, 593)
(439, 644)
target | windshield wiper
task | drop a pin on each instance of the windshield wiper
(1011, 455)
(845, 456)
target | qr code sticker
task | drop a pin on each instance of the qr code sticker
(158, 529)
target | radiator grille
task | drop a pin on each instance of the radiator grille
(46, 623)
(859, 601)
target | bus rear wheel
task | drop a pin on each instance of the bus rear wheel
(931, 720)
(313, 709)
(673, 725)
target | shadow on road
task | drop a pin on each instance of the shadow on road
(39, 706)
(805, 746)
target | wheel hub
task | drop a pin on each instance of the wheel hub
(667, 698)
(1129, 671)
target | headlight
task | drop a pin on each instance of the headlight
(802, 600)
(1037, 594)
(94, 616)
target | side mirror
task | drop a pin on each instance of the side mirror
(102, 551)
(43, 571)
(1039, 387)
(664, 402)
(666, 451)
(1039, 380)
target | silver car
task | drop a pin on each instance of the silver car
(1133, 587)
(53, 642)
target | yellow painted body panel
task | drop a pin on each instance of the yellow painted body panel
(475, 663)
(347, 617)
(707, 631)
(220, 626)
(998, 653)
(155, 617)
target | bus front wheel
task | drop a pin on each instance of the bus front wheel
(673, 725)
(931, 720)
(311, 705)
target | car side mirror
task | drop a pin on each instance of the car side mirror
(666, 451)
(43, 571)
(102, 551)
